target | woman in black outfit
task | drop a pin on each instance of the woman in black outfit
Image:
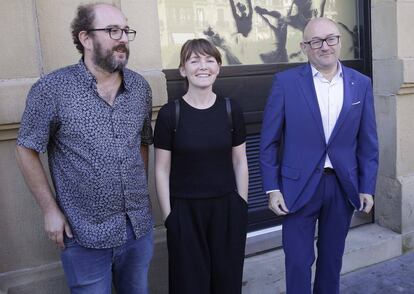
(201, 178)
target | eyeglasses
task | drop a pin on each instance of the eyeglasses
(116, 33)
(318, 43)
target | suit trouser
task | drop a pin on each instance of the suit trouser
(333, 211)
(206, 241)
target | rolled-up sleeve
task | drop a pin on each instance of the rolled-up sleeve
(38, 121)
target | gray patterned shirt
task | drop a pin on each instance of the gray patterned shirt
(94, 151)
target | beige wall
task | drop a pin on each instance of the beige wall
(39, 42)
(393, 67)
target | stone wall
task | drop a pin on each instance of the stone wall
(393, 73)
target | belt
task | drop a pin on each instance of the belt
(328, 171)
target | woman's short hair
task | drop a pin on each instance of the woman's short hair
(200, 47)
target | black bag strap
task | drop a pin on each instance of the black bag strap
(177, 114)
(229, 116)
(228, 110)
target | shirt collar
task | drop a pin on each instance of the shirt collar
(86, 76)
(316, 73)
(84, 73)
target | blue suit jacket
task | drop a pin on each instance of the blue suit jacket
(295, 163)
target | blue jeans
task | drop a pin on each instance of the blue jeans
(90, 271)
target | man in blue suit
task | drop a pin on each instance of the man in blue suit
(318, 157)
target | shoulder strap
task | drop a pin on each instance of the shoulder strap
(229, 116)
(177, 114)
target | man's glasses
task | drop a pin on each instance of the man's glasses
(318, 43)
(116, 33)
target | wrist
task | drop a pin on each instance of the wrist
(50, 208)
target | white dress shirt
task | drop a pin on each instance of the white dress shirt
(330, 96)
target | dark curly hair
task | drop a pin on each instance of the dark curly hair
(83, 21)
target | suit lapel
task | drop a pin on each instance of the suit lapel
(349, 94)
(309, 94)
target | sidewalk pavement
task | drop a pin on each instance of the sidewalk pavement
(389, 277)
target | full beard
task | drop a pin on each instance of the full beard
(106, 60)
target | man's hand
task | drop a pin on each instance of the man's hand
(277, 203)
(56, 225)
(367, 202)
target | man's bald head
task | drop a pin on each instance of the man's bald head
(314, 24)
(321, 44)
(85, 19)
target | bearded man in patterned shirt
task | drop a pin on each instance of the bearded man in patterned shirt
(94, 120)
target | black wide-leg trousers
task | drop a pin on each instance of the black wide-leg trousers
(206, 240)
